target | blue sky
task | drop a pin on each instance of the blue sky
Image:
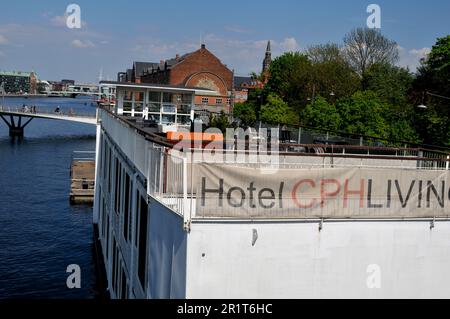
(33, 34)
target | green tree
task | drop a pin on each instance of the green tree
(246, 113)
(391, 83)
(221, 121)
(276, 111)
(324, 53)
(433, 124)
(435, 70)
(290, 78)
(364, 114)
(321, 114)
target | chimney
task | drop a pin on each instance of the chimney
(203, 46)
(177, 57)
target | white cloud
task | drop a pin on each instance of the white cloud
(82, 44)
(411, 58)
(59, 21)
(420, 53)
(289, 45)
(3, 40)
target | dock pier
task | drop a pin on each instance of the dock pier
(82, 174)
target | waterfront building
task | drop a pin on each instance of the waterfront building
(166, 107)
(200, 69)
(19, 82)
(336, 222)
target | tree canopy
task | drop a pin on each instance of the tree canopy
(357, 88)
(276, 111)
(364, 47)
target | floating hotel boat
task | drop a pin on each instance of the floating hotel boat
(194, 223)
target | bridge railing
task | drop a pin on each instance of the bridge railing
(38, 110)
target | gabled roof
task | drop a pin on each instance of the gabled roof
(241, 80)
(140, 68)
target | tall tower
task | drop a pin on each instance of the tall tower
(267, 59)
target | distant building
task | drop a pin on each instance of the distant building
(267, 60)
(141, 68)
(200, 69)
(19, 82)
(68, 82)
(242, 86)
(43, 87)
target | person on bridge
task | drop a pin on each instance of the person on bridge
(58, 110)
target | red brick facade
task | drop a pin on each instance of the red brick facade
(198, 69)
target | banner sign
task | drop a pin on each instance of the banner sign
(337, 193)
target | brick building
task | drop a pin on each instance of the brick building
(200, 69)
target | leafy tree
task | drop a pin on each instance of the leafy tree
(334, 79)
(221, 121)
(435, 70)
(401, 127)
(432, 127)
(365, 47)
(246, 113)
(276, 111)
(391, 83)
(321, 114)
(290, 76)
(324, 53)
(363, 114)
(433, 124)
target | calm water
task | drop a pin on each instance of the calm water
(40, 233)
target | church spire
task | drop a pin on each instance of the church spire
(267, 59)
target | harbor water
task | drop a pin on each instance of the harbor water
(41, 234)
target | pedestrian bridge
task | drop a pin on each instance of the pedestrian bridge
(19, 117)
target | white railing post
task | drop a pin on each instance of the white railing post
(186, 216)
(447, 164)
(161, 174)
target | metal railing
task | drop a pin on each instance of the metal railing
(168, 180)
(83, 156)
(172, 174)
(46, 111)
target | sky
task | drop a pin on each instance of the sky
(113, 34)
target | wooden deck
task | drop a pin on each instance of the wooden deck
(82, 186)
